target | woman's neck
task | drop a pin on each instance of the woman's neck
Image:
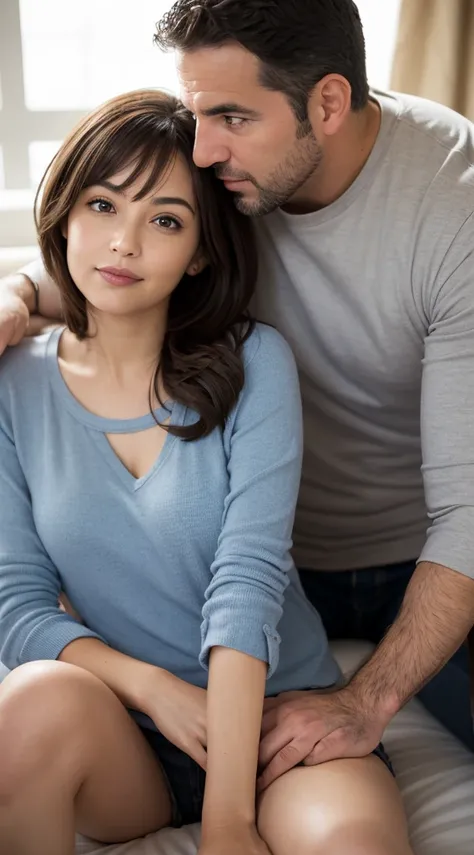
(112, 370)
(124, 347)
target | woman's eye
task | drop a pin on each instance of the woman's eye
(100, 205)
(168, 223)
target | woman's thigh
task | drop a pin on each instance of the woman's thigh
(65, 730)
(346, 806)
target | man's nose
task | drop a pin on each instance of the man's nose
(208, 150)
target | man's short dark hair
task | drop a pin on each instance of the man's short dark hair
(298, 42)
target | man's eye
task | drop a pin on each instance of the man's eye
(100, 205)
(234, 121)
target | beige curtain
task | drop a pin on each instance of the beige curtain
(434, 54)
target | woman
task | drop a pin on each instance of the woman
(149, 464)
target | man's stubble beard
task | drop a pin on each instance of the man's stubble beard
(287, 178)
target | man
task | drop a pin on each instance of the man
(364, 205)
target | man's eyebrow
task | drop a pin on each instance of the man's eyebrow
(157, 200)
(221, 109)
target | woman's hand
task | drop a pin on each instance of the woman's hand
(179, 711)
(233, 839)
(177, 708)
(66, 606)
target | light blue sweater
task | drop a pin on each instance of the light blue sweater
(194, 554)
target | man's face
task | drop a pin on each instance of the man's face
(248, 133)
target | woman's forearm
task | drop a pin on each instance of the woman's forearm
(234, 715)
(128, 678)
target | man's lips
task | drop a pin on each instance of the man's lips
(231, 183)
(118, 275)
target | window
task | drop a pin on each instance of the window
(59, 59)
(380, 22)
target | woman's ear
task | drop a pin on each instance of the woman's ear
(64, 228)
(198, 263)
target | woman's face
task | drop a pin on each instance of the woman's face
(126, 256)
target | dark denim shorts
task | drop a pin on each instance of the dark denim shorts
(186, 779)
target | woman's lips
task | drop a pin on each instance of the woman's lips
(118, 276)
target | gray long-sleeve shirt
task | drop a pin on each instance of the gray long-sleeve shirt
(194, 554)
(375, 294)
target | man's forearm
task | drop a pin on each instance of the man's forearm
(21, 284)
(435, 618)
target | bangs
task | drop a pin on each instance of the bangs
(142, 132)
(140, 146)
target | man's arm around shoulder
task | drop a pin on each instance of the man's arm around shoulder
(21, 294)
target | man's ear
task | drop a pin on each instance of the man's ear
(197, 264)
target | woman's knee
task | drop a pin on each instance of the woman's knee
(44, 706)
(350, 806)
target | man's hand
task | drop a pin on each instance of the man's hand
(312, 728)
(308, 727)
(14, 318)
(16, 304)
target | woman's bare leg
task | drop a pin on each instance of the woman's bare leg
(349, 807)
(72, 759)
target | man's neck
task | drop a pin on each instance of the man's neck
(343, 159)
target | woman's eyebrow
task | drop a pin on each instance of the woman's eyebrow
(157, 200)
(172, 200)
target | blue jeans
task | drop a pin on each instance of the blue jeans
(363, 604)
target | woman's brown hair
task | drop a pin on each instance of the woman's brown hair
(201, 363)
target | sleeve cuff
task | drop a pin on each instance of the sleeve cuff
(47, 640)
(452, 548)
(33, 269)
(266, 648)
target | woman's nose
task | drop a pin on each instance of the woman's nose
(125, 241)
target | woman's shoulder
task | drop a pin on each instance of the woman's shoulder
(29, 352)
(265, 346)
(22, 366)
(270, 399)
(270, 371)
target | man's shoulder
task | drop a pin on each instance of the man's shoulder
(431, 142)
(421, 175)
(440, 125)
